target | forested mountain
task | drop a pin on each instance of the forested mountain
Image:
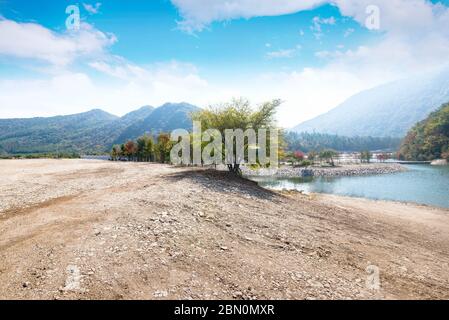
(306, 142)
(94, 131)
(386, 111)
(429, 139)
(166, 118)
(137, 115)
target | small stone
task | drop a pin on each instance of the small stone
(160, 294)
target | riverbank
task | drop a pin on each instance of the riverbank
(337, 171)
(82, 229)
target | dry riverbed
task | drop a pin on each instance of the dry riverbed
(83, 229)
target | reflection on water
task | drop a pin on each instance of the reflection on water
(422, 184)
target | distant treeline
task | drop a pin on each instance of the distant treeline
(60, 155)
(318, 141)
(144, 149)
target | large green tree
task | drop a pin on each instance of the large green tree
(238, 114)
(163, 147)
(145, 148)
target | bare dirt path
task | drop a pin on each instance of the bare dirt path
(80, 229)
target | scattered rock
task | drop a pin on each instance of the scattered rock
(160, 294)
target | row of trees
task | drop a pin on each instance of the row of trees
(319, 141)
(238, 114)
(298, 158)
(144, 149)
(328, 156)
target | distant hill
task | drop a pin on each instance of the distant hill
(166, 118)
(137, 115)
(94, 131)
(429, 139)
(386, 111)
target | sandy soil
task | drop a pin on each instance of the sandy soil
(82, 229)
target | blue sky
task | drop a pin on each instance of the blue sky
(312, 55)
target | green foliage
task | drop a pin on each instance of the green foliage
(131, 150)
(148, 148)
(316, 141)
(163, 147)
(328, 156)
(144, 149)
(312, 156)
(60, 155)
(93, 132)
(238, 114)
(365, 156)
(429, 139)
(166, 118)
(388, 110)
(445, 155)
(116, 152)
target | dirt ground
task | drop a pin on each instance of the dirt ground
(82, 229)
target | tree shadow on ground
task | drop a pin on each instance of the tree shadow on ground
(225, 182)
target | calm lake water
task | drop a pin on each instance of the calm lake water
(422, 184)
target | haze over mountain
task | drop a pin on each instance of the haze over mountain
(94, 131)
(388, 110)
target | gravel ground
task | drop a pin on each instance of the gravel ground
(83, 229)
(342, 170)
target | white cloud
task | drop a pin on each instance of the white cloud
(284, 53)
(413, 38)
(33, 41)
(92, 8)
(317, 22)
(348, 32)
(73, 92)
(323, 54)
(198, 14)
(415, 32)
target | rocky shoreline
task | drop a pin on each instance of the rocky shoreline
(343, 170)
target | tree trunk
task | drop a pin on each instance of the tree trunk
(235, 168)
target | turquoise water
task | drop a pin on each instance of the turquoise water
(423, 184)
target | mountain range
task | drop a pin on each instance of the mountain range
(95, 131)
(389, 110)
